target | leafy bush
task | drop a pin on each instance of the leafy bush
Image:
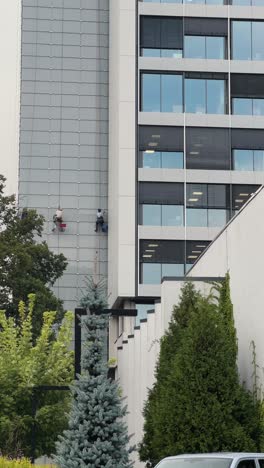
(23, 463)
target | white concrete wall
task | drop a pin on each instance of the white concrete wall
(122, 121)
(239, 250)
(10, 15)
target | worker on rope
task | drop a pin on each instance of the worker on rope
(99, 220)
(57, 219)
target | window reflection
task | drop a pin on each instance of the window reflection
(151, 92)
(162, 215)
(164, 159)
(204, 96)
(204, 47)
(247, 39)
(248, 106)
(248, 160)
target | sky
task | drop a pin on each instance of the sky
(9, 90)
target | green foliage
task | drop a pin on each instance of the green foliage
(24, 365)
(97, 436)
(94, 297)
(26, 266)
(197, 403)
(22, 463)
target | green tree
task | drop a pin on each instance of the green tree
(24, 365)
(200, 405)
(94, 295)
(97, 436)
(26, 266)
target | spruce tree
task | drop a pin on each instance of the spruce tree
(200, 405)
(97, 435)
(94, 296)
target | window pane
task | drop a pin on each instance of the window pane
(242, 106)
(214, 2)
(152, 160)
(194, 47)
(217, 196)
(243, 160)
(194, 1)
(151, 273)
(196, 217)
(172, 215)
(172, 160)
(215, 47)
(171, 93)
(217, 218)
(171, 53)
(170, 269)
(195, 96)
(258, 160)
(196, 195)
(150, 52)
(258, 2)
(151, 93)
(258, 106)
(241, 40)
(241, 2)
(151, 215)
(257, 40)
(215, 97)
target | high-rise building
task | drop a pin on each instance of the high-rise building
(186, 140)
(64, 129)
(175, 135)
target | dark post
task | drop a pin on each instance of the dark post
(78, 313)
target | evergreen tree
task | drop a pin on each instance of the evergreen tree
(200, 406)
(97, 436)
(94, 298)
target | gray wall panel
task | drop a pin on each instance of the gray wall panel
(64, 128)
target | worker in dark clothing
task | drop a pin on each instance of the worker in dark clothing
(24, 213)
(99, 220)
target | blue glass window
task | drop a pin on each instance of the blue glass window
(242, 106)
(202, 47)
(204, 96)
(172, 215)
(217, 218)
(172, 160)
(150, 52)
(172, 269)
(215, 96)
(257, 40)
(241, 40)
(195, 101)
(243, 160)
(258, 106)
(194, 47)
(171, 93)
(164, 159)
(151, 159)
(258, 160)
(215, 47)
(151, 273)
(247, 40)
(151, 92)
(173, 53)
(151, 215)
(196, 217)
(248, 160)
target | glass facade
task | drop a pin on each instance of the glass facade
(161, 93)
(164, 93)
(169, 53)
(162, 215)
(204, 47)
(247, 40)
(248, 160)
(248, 106)
(162, 159)
(204, 96)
